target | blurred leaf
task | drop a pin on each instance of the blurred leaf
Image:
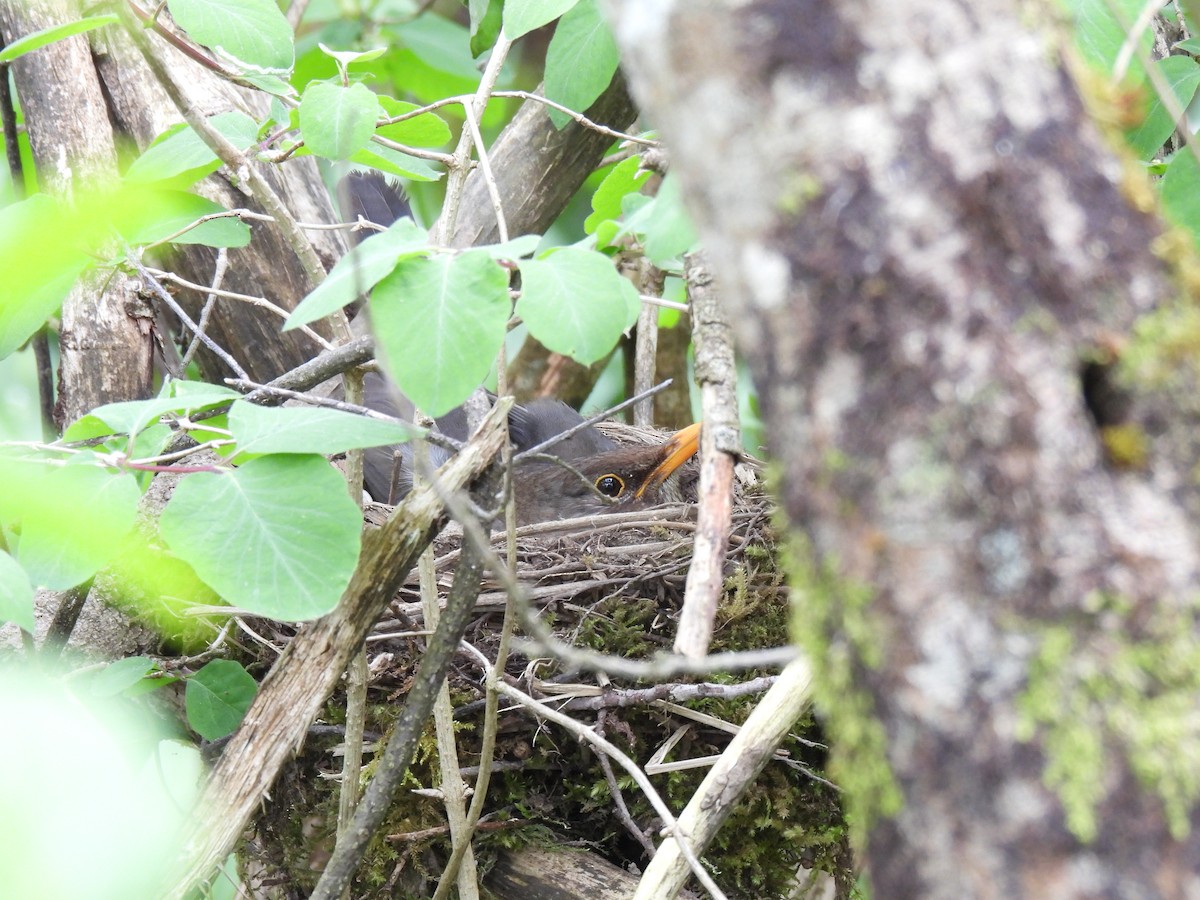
(337, 121)
(664, 224)
(523, 16)
(156, 588)
(45, 245)
(580, 60)
(278, 537)
(1100, 36)
(1183, 75)
(1180, 188)
(625, 178)
(265, 429)
(54, 33)
(439, 43)
(512, 249)
(217, 698)
(576, 303)
(181, 150)
(359, 270)
(16, 594)
(83, 781)
(253, 33)
(73, 518)
(425, 130)
(439, 324)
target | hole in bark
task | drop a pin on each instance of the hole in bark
(1106, 401)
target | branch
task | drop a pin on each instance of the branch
(720, 441)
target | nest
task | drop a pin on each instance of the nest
(573, 570)
(614, 585)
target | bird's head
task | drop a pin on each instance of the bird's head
(616, 480)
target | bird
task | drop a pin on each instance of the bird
(585, 474)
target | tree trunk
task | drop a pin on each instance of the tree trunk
(925, 246)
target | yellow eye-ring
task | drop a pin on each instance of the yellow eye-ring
(610, 485)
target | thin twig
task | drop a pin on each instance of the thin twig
(210, 301)
(262, 302)
(614, 791)
(163, 295)
(457, 179)
(485, 167)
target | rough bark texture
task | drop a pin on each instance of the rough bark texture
(922, 241)
(105, 336)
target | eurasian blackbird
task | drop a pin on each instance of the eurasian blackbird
(599, 475)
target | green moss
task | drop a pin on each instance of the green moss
(1110, 699)
(832, 623)
(1126, 446)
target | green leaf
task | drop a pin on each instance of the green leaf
(440, 323)
(224, 232)
(625, 178)
(1183, 75)
(264, 429)
(1191, 45)
(38, 273)
(346, 58)
(580, 61)
(1180, 188)
(576, 303)
(425, 130)
(278, 537)
(395, 162)
(523, 16)
(58, 546)
(337, 121)
(1100, 36)
(252, 33)
(486, 18)
(120, 675)
(16, 594)
(131, 416)
(181, 150)
(359, 271)
(217, 698)
(55, 33)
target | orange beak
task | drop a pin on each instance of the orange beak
(678, 449)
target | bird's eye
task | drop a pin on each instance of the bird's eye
(610, 485)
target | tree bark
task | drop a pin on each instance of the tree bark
(539, 168)
(105, 338)
(924, 242)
